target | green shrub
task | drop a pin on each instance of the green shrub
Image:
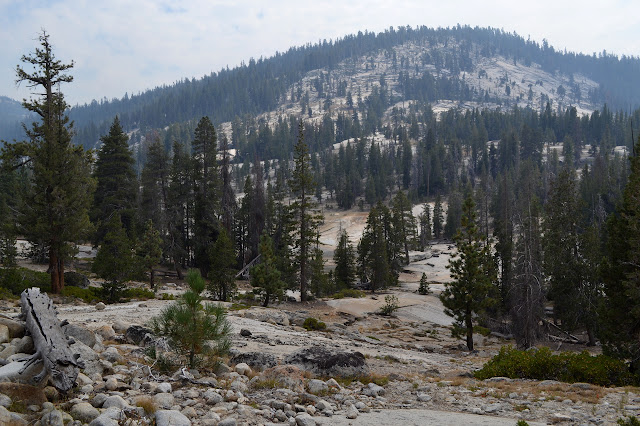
(569, 367)
(390, 305)
(88, 295)
(629, 421)
(138, 293)
(348, 292)
(481, 330)
(168, 296)
(313, 324)
(18, 279)
(522, 423)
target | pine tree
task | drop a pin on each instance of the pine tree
(117, 185)
(424, 288)
(115, 260)
(404, 225)
(438, 218)
(194, 329)
(302, 185)
(150, 251)
(55, 212)
(344, 258)
(222, 259)
(206, 179)
(424, 220)
(179, 211)
(155, 182)
(473, 274)
(621, 273)
(319, 282)
(454, 214)
(265, 276)
(373, 253)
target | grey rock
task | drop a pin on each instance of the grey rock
(164, 387)
(228, 422)
(493, 408)
(304, 419)
(213, 397)
(111, 384)
(164, 400)
(111, 354)
(171, 418)
(4, 334)
(84, 412)
(268, 315)
(317, 386)
(281, 416)
(115, 401)
(16, 328)
(92, 364)
(9, 418)
(327, 362)
(374, 390)
(256, 360)
(352, 412)
(13, 371)
(99, 399)
(5, 401)
(242, 369)
(106, 332)
(120, 326)
(245, 333)
(100, 306)
(52, 418)
(139, 335)
(239, 386)
(423, 397)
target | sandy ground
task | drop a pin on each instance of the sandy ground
(417, 417)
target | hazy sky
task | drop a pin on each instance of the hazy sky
(128, 46)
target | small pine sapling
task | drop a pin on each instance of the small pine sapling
(424, 285)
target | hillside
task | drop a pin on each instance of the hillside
(452, 67)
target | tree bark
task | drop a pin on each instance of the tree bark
(469, 325)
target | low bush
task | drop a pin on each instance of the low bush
(629, 421)
(138, 293)
(313, 324)
(18, 279)
(348, 292)
(88, 295)
(569, 367)
(390, 305)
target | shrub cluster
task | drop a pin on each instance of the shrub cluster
(16, 280)
(348, 292)
(313, 324)
(569, 367)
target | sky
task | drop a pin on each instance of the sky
(123, 46)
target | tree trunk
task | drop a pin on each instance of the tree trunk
(266, 301)
(56, 269)
(52, 346)
(469, 325)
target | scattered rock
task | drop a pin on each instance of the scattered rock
(317, 386)
(286, 376)
(164, 387)
(164, 400)
(120, 326)
(92, 364)
(115, 401)
(9, 418)
(5, 336)
(52, 418)
(100, 306)
(352, 412)
(243, 369)
(171, 418)
(16, 329)
(111, 354)
(228, 422)
(84, 412)
(255, 360)
(423, 397)
(139, 335)
(560, 418)
(245, 333)
(27, 394)
(106, 332)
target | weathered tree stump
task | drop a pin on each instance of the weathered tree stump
(51, 344)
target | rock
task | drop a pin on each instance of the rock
(325, 362)
(16, 329)
(493, 408)
(164, 400)
(111, 354)
(76, 279)
(374, 390)
(139, 335)
(12, 371)
(332, 383)
(317, 386)
(27, 394)
(548, 383)
(352, 412)
(228, 422)
(111, 417)
(99, 399)
(5, 401)
(100, 306)
(304, 419)
(423, 397)
(25, 345)
(212, 397)
(164, 387)
(92, 364)
(5, 336)
(9, 418)
(52, 418)
(106, 332)
(171, 418)
(189, 412)
(266, 315)
(115, 401)
(499, 379)
(84, 412)
(581, 386)
(243, 369)
(223, 368)
(120, 326)
(245, 333)
(255, 360)
(239, 386)
(111, 384)
(560, 418)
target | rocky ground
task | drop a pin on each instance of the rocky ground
(401, 370)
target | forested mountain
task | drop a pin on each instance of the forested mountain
(468, 67)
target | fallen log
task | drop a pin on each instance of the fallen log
(51, 344)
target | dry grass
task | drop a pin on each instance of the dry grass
(147, 404)
(561, 391)
(271, 383)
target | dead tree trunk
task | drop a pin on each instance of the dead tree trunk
(51, 344)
